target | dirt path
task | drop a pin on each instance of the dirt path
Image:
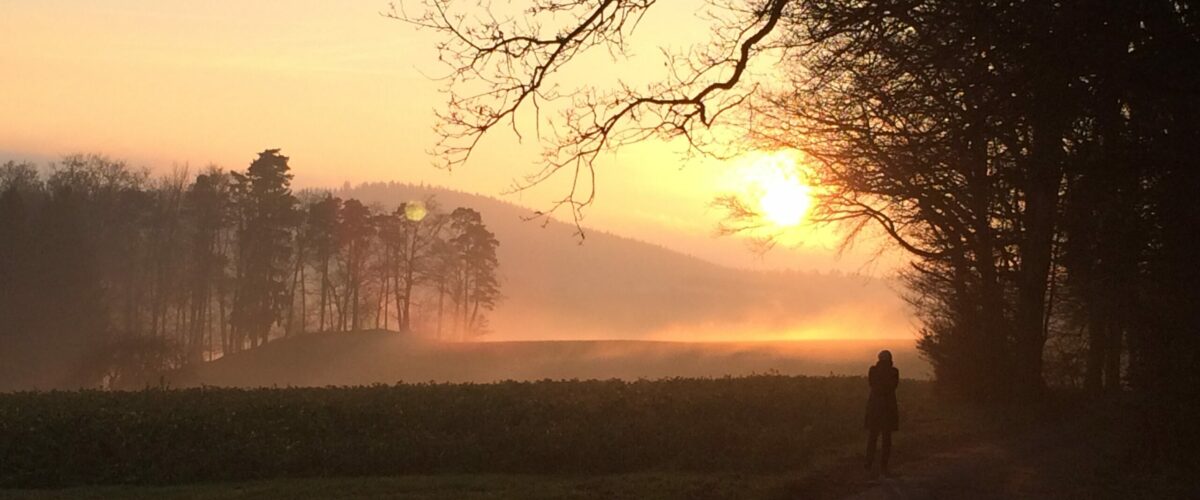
(1054, 462)
(971, 472)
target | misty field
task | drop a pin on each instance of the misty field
(380, 357)
(754, 425)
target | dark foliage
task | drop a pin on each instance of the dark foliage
(765, 423)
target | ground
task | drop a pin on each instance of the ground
(466, 487)
(1038, 464)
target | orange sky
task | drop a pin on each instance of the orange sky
(343, 91)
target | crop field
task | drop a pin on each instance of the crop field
(752, 425)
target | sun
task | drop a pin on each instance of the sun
(776, 189)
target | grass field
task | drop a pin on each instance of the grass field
(751, 437)
(450, 487)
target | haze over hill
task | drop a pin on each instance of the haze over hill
(611, 287)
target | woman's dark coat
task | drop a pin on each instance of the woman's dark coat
(882, 414)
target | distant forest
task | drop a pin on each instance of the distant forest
(109, 276)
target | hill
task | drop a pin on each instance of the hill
(610, 287)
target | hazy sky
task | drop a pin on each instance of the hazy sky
(343, 91)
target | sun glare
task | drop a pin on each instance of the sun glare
(776, 189)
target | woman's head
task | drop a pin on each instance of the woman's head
(885, 357)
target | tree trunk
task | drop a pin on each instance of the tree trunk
(1041, 195)
(324, 292)
(406, 313)
(303, 303)
(287, 330)
(441, 309)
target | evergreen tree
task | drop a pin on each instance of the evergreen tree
(265, 206)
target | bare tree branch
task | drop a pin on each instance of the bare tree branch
(501, 65)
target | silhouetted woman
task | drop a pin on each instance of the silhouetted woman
(882, 415)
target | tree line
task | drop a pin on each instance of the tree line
(110, 276)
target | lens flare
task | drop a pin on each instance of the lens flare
(415, 210)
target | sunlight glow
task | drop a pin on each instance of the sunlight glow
(776, 189)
